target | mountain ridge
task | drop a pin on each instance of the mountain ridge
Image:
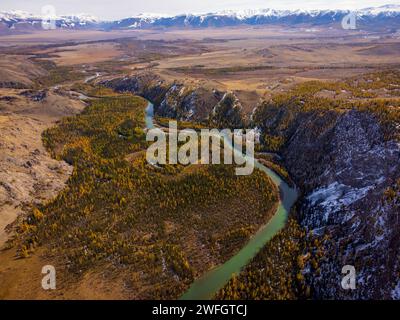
(389, 14)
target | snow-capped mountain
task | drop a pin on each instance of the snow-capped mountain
(23, 20)
(385, 16)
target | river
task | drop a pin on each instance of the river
(207, 285)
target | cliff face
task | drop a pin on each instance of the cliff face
(344, 166)
(182, 101)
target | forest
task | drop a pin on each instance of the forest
(279, 270)
(157, 227)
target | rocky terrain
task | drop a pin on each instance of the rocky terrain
(344, 170)
(28, 174)
(183, 101)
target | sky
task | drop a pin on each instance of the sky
(116, 9)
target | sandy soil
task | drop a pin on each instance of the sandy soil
(83, 53)
(21, 279)
(27, 173)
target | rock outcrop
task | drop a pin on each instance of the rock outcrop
(182, 101)
(344, 166)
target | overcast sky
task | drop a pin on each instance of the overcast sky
(114, 9)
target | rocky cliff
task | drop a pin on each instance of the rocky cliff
(183, 101)
(345, 168)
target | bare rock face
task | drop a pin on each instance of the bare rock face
(180, 100)
(228, 112)
(345, 169)
(147, 85)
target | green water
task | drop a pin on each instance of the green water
(149, 116)
(205, 287)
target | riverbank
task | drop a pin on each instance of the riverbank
(207, 285)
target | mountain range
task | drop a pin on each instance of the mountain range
(387, 16)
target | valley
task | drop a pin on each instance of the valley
(77, 192)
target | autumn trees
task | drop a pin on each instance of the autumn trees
(280, 269)
(159, 227)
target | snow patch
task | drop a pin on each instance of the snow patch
(336, 195)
